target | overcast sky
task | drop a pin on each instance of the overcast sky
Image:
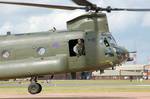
(131, 29)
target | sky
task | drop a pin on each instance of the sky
(130, 29)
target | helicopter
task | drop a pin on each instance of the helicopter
(86, 45)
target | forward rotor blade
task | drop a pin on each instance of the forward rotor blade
(133, 52)
(109, 9)
(126, 9)
(43, 5)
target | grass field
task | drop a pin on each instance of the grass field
(78, 86)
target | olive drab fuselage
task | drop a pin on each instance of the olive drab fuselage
(52, 52)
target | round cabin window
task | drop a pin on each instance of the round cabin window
(5, 54)
(41, 51)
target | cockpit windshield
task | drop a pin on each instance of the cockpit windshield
(111, 39)
(107, 36)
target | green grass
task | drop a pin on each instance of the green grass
(79, 86)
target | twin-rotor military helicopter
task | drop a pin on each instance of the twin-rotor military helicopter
(87, 45)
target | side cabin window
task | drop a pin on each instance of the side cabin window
(76, 47)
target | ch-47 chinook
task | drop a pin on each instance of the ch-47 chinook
(87, 45)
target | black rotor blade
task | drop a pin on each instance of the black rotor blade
(109, 9)
(83, 2)
(121, 9)
(43, 5)
(133, 52)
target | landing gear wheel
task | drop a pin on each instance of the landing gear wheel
(34, 88)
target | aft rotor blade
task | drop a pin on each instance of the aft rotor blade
(83, 2)
(43, 5)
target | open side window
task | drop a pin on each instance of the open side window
(106, 42)
(76, 47)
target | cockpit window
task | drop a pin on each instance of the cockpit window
(106, 42)
(111, 39)
(107, 39)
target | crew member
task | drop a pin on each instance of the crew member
(79, 48)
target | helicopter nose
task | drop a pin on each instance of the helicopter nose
(122, 54)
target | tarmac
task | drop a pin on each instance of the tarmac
(124, 95)
(97, 95)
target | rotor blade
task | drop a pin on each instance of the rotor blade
(43, 5)
(109, 9)
(126, 9)
(83, 2)
(133, 52)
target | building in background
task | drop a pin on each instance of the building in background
(146, 73)
(121, 72)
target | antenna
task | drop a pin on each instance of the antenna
(135, 58)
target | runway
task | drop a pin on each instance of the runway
(115, 95)
(74, 84)
(79, 90)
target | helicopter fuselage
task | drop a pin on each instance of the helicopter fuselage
(26, 55)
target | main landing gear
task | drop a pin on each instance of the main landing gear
(34, 87)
